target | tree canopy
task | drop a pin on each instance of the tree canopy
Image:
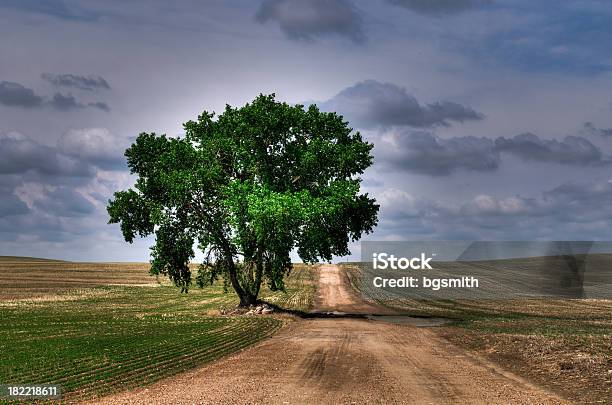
(247, 187)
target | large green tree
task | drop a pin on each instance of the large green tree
(246, 188)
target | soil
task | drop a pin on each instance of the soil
(346, 358)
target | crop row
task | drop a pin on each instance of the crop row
(136, 366)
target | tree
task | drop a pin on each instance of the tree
(246, 189)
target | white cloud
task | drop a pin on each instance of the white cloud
(96, 145)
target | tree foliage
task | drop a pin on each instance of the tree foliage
(247, 188)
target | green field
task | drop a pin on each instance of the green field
(93, 341)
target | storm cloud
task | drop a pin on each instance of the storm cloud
(16, 95)
(439, 7)
(77, 154)
(582, 201)
(585, 208)
(54, 8)
(370, 104)
(424, 153)
(306, 20)
(67, 102)
(64, 202)
(81, 82)
(11, 205)
(571, 150)
(19, 155)
(95, 145)
(99, 105)
(591, 128)
(56, 193)
(441, 169)
(584, 205)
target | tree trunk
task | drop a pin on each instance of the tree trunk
(246, 294)
(246, 299)
(242, 293)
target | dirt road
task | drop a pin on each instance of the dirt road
(345, 360)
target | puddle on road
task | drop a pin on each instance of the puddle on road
(420, 322)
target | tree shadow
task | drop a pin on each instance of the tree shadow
(346, 315)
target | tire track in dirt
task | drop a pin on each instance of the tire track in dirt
(345, 360)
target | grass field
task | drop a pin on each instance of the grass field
(565, 344)
(93, 340)
(30, 277)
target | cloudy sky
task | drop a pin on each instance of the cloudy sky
(491, 120)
